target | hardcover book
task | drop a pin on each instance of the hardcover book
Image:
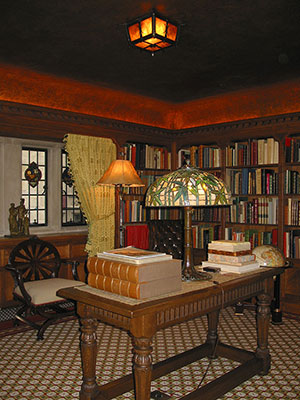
(230, 253)
(134, 273)
(135, 290)
(229, 245)
(234, 260)
(252, 266)
(134, 255)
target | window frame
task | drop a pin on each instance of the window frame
(65, 188)
(44, 178)
(11, 184)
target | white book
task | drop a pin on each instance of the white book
(229, 245)
(134, 255)
(252, 266)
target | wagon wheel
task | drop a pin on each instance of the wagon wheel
(35, 259)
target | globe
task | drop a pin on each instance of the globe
(269, 256)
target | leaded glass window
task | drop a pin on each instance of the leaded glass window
(71, 212)
(34, 184)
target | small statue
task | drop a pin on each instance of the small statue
(12, 219)
(18, 220)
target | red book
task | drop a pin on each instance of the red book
(288, 154)
(275, 237)
(137, 236)
(133, 155)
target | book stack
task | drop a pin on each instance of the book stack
(134, 272)
(230, 256)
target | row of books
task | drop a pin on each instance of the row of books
(204, 234)
(205, 157)
(292, 149)
(147, 180)
(292, 212)
(254, 152)
(132, 211)
(134, 273)
(261, 210)
(230, 256)
(291, 243)
(291, 182)
(207, 214)
(145, 156)
(252, 181)
(254, 236)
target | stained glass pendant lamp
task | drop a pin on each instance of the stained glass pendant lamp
(152, 32)
(188, 187)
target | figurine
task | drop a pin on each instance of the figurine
(12, 219)
(18, 220)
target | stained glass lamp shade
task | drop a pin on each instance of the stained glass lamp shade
(188, 187)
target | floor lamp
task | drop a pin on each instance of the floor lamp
(120, 173)
(188, 187)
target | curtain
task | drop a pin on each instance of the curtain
(89, 158)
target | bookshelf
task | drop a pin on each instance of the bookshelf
(252, 174)
(206, 221)
(291, 222)
(150, 161)
(264, 177)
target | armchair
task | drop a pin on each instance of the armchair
(167, 236)
(34, 265)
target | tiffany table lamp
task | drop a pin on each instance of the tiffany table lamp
(188, 187)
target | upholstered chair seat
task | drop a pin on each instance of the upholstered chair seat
(35, 267)
(43, 292)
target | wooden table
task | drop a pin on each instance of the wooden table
(143, 318)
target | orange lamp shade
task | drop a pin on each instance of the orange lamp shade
(121, 172)
(152, 32)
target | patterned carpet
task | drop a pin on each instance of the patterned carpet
(51, 369)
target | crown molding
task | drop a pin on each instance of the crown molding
(22, 119)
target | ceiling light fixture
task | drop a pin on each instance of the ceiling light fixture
(152, 32)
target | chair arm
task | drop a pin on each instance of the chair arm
(17, 276)
(74, 263)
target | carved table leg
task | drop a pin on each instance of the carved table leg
(142, 367)
(212, 333)
(263, 318)
(88, 347)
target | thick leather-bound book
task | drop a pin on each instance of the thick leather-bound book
(134, 273)
(141, 290)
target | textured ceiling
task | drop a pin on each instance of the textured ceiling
(223, 45)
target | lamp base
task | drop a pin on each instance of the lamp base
(191, 274)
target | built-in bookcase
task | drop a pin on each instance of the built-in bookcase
(291, 236)
(206, 221)
(263, 175)
(252, 174)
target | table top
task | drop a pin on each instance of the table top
(190, 290)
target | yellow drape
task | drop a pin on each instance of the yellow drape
(89, 158)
